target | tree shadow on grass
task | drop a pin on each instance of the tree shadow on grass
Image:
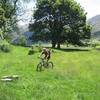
(73, 49)
(98, 49)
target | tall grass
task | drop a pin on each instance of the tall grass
(76, 76)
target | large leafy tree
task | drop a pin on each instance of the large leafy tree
(10, 10)
(64, 19)
(7, 14)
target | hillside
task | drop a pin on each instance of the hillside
(95, 22)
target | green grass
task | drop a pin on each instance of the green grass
(76, 76)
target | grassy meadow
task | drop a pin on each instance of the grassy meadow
(76, 75)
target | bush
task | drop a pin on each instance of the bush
(31, 51)
(53, 51)
(22, 41)
(95, 43)
(5, 47)
(39, 48)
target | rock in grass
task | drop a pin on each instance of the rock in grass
(15, 76)
(9, 78)
(6, 79)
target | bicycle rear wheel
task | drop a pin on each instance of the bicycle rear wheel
(50, 64)
(39, 67)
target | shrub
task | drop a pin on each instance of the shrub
(39, 48)
(53, 51)
(95, 43)
(5, 47)
(22, 41)
(31, 51)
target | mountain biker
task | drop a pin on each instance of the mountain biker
(46, 53)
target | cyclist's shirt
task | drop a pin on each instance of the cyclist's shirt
(47, 54)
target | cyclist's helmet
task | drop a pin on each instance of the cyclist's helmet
(44, 48)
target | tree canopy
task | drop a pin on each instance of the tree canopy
(64, 20)
(9, 12)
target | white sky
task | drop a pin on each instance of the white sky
(92, 7)
(29, 7)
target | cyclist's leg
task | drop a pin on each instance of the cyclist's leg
(48, 58)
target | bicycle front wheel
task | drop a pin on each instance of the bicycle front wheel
(39, 67)
(50, 64)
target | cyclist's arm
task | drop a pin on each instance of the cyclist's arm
(41, 54)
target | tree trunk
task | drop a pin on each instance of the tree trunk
(53, 45)
(58, 45)
(67, 45)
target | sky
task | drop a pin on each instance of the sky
(26, 17)
(92, 7)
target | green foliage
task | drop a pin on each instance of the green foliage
(7, 12)
(38, 47)
(22, 40)
(5, 47)
(95, 43)
(31, 51)
(65, 20)
(35, 49)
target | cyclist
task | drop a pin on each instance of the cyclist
(46, 54)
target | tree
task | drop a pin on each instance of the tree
(65, 19)
(7, 14)
(79, 36)
(10, 10)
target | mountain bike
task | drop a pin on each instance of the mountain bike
(44, 64)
